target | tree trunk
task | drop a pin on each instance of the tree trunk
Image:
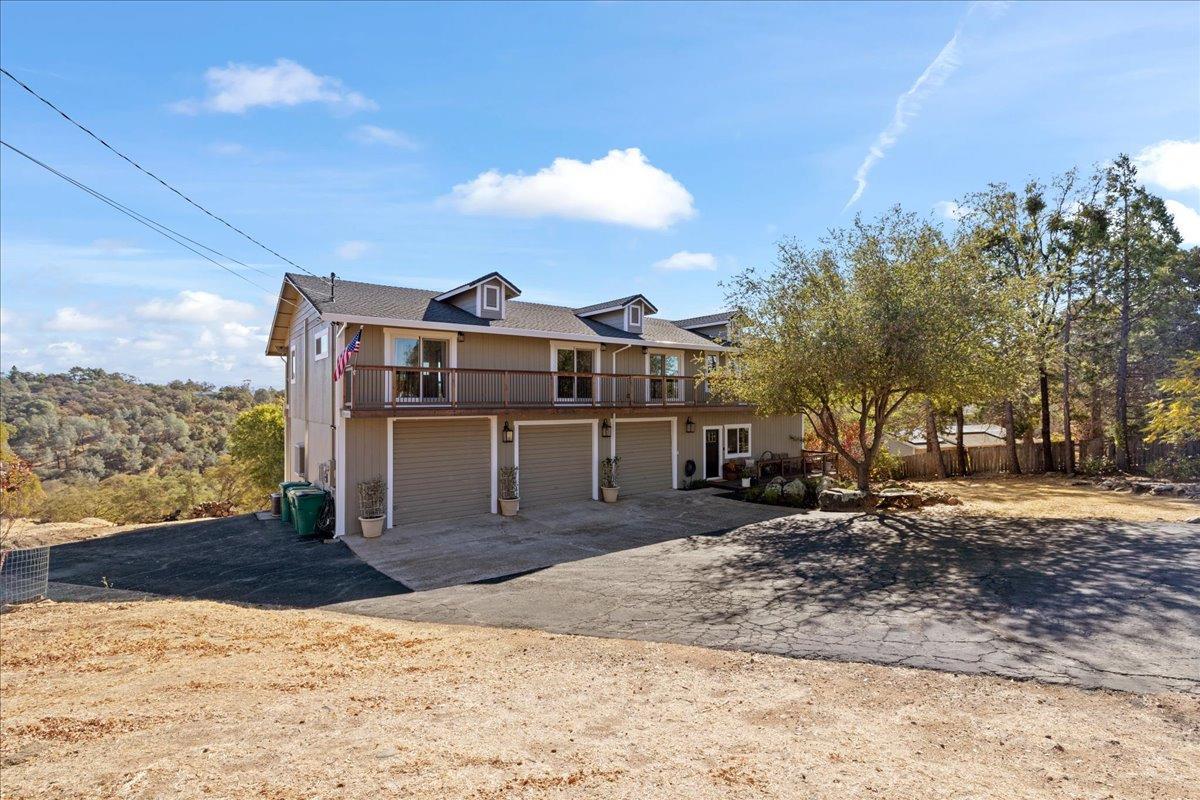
(932, 442)
(1069, 466)
(1123, 362)
(1010, 439)
(1047, 445)
(960, 443)
(864, 476)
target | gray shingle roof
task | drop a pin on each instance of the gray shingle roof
(719, 318)
(618, 303)
(356, 299)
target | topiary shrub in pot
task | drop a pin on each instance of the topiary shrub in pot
(510, 501)
(372, 499)
(608, 479)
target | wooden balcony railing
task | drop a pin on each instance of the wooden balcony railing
(379, 388)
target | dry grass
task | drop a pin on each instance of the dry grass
(1053, 497)
(195, 699)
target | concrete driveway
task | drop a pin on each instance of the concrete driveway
(489, 547)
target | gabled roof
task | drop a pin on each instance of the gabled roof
(615, 305)
(513, 290)
(708, 320)
(393, 305)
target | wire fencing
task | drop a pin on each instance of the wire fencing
(24, 574)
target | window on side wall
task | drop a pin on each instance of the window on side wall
(491, 298)
(292, 364)
(321, 344)
(737, 441)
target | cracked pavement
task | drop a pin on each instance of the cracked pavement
(1089, 603)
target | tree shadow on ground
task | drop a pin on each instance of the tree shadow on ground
(1046, 579)
(237, 559)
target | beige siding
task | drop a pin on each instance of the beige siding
(366, 458)
(555, 463)
(782, 434)
(440, 469)
(645, 452)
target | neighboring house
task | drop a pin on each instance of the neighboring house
(450, 386)
(908, 442)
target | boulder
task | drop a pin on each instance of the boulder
(778, 480)
(1140, 488)
(841, 500)
(1194, 521)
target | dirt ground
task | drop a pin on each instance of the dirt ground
(1053, 497)
(166, 698)
(31, 533)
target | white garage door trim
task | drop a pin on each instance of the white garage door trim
(595, 423)
(674, 441)
(391, 444)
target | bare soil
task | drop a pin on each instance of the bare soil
(1054, 497)
(166, 698)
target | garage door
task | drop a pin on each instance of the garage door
(441, 469)
(645, 452)
(555, 463)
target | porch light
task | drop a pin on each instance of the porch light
(506, 435)
(605, 429)
(462, 337)
(689, 426)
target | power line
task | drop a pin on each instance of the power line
(147, 172)
(179, 238)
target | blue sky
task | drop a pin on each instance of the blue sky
(584, 150)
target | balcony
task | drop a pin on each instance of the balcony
(381, 391)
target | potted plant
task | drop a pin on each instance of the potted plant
(372, 498)
(746, 474)
(510, 500)
(608, 479)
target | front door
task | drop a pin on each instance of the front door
(712, 453)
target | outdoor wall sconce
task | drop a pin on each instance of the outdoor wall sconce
(689, 426)
(605, 429)
(506, 435)
(462, 337)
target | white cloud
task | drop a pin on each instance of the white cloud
(195, 306)
(352, 250)
(116, 247)
(950, 209)
(73, 320)
(67, 349)
(226, 148)
(622, 188)
(1187, 221)
(237, 88)
(685, 260)
(1173, 165)
(373, 134)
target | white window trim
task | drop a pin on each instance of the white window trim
(629, 309)
(749, 440)
(658, 351)
(597, 365)
(391, 334)
(321, 334)
(484, 290)
(291, 363)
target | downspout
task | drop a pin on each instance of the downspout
(613, 441)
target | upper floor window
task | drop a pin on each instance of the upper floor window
(491, 298)
(321, 344)
(635, 315)
(665, 366)
(574, 359)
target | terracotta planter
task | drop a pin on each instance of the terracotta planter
(371, 526)
(509, 508)
(609, 493)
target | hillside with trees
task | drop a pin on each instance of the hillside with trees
(89, 424)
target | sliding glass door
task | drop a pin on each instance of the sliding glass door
(413, 385)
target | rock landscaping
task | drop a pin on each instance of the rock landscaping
(1139, 485)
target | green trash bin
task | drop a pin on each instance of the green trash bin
(285, 504)
(308, 508)
(290, 500)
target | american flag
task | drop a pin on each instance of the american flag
(343, 361)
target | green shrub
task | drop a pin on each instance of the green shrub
(1175, 468)
(1097, 465)
(886, 466)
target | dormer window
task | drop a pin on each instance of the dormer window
(635, 316)
(491, 298)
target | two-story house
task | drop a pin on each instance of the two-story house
(447, 387)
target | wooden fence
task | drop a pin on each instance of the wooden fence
(994, 458)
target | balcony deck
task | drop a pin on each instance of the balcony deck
(385, 391)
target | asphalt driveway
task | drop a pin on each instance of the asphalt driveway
(1096, 604)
